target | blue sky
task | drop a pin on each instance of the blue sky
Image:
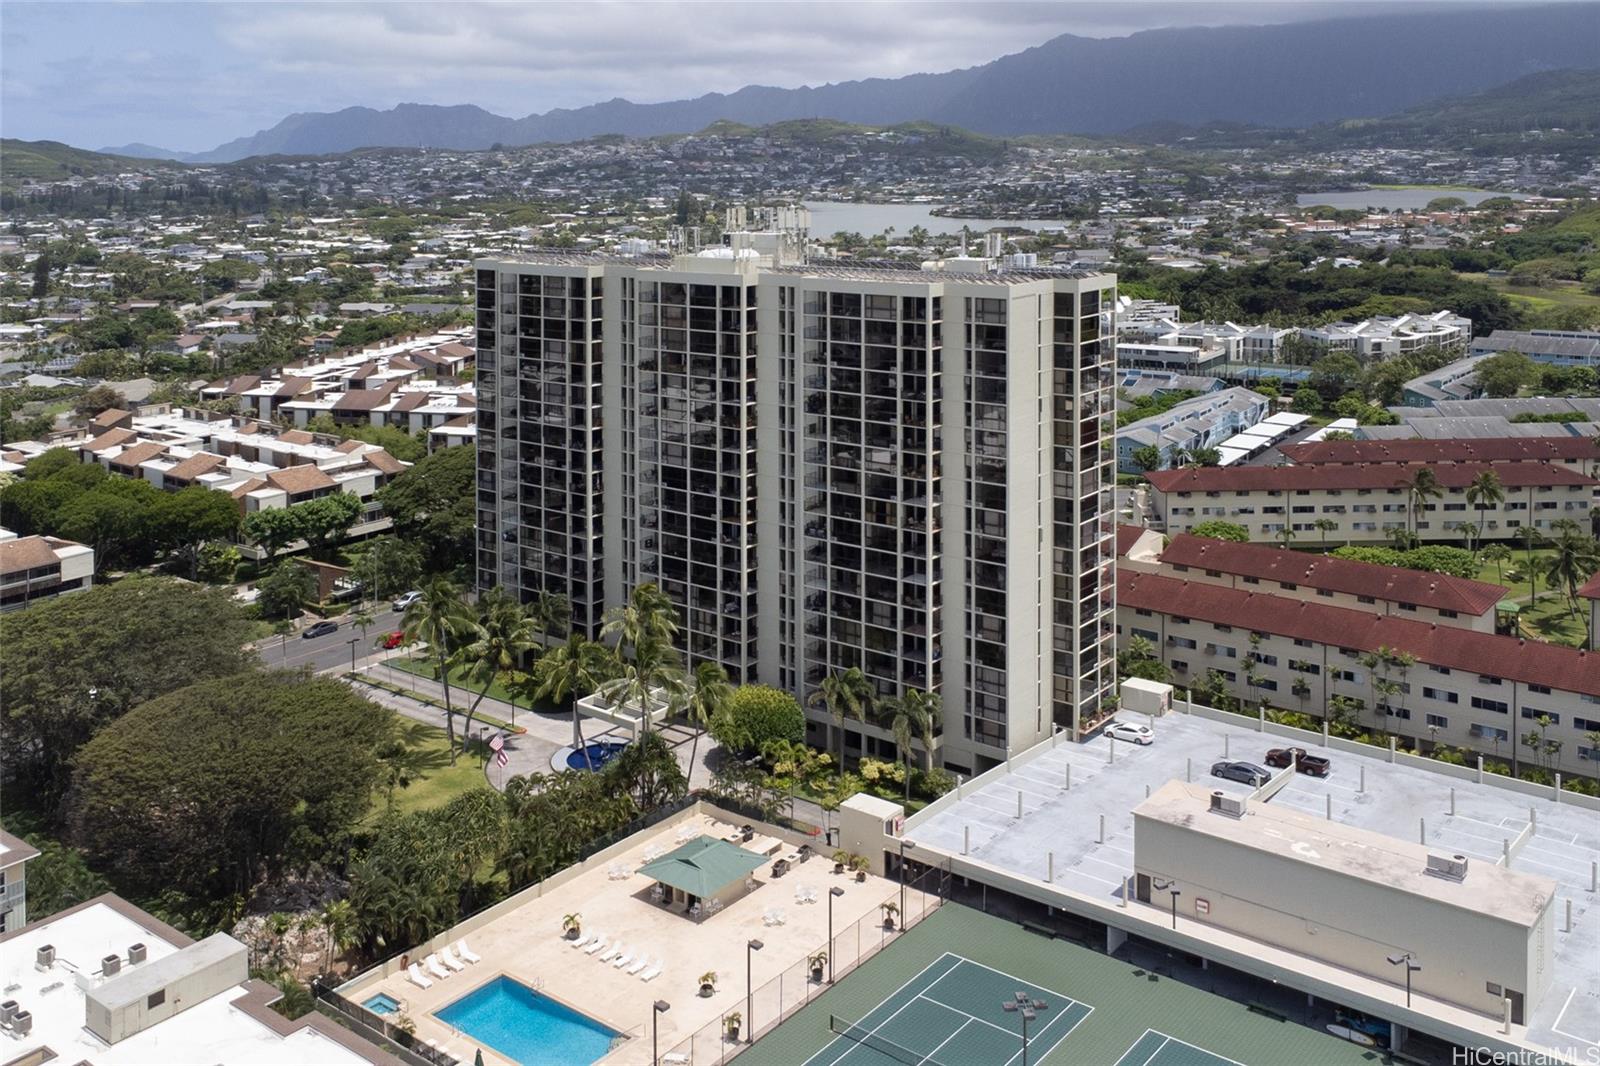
(188, 76)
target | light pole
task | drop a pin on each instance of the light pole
(661, 1007)
(352, 642)
(904, 845)
(750, 950)
(1172, 888)
(1411, 966)
(832, 892)
(1027, 1007)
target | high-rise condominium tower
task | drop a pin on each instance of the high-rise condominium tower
(825, 466)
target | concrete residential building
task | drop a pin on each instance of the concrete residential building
(933, 498)
(14, 856)
(1367, 503)
(1478, 691)
(1201, 422)
(1441, 599)
(1579, 454)
(36, 568)
(105, 982)
(1453, 381)
(1385, 336)
(1556, 347)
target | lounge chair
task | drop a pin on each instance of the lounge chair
(450, 959)
(639, 964)
(624, 960)
(414, 975)
(653, 972)
(675, 1058)
(466, 952)
(579, 942)
(595, 945)
(435, 967)
(612, 952)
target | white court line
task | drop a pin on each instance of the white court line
(1036, 1037)
(957, 1010)
(888, 998)
(970, 1019)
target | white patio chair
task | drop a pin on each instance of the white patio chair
(450, 960)
(414, 975)
(624, 960)
(612, 952)
(640, 964)
(654, 971)
(466, 952)
(580, 942)
(598, 943)
(435, 967)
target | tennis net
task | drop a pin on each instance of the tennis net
(862, 1035)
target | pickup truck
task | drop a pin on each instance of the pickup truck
(1314, 765)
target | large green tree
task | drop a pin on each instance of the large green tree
(212, 788)
(75, 663)
(193, 516)
(434, 504)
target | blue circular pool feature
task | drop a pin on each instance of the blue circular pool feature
(598, 755)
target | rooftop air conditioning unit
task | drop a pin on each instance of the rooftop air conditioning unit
(22, 1023)
(1450, 867)
(136, 954)
(46, 957)
(8, 1010)
(1232, 806)
(110, 965)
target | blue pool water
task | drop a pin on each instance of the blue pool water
(599, 754)
(526, 1027)
(382, 1004)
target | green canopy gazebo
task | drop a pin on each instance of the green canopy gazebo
(702, 870)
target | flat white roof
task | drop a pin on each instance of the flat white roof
(215, 1030)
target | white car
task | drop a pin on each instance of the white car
(1133, 734)
(407, 599)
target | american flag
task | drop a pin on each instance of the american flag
(501, 758)
(497, 744)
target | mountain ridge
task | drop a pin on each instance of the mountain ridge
(1284, 75)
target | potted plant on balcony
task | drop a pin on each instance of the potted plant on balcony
(860, 865)
(841, 859)
(891, 910)
(708, 984)
(731, 1023)
(572, 926)
(817, 962)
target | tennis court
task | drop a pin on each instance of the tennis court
(1158, 1049)
(955, 1011)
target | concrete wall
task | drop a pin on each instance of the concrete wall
(1305, 907)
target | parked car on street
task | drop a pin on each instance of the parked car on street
(319, 629)
(1315, 765)
(393, 640)
(1246, 773)
(1131, 732)
(406, 599)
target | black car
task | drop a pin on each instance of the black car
(1246, 773)
(320, 629)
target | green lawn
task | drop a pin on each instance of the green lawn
(1551, 618)
(433, 781)
(1541, 297)
(425, 667)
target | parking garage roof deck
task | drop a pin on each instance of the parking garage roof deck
(1059, 827)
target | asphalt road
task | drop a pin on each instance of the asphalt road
(333, 650)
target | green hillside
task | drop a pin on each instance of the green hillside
(53, 161)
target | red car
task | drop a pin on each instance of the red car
(393, 640)
(1315, 765)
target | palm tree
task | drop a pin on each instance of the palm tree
(925, 711)
(572, 671)
(1498, 554)
(1576, 558)
(848, 693)
(914, 714)
(1325, 526)
(437, 619)
(1422, 487)
(554, 614)
(893, 716)
(338, 920)
(645, 627)
(494, 645)
(1471, 532)
(363, 620)
(1483, 492)
(1286, 534)
(704, 702)
(1531, 538)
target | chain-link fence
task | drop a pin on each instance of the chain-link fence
(768, 1005)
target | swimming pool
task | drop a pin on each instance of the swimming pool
(599, 754)
(527, 1027)
(383, 1003)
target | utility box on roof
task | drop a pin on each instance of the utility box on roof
(1146, 697)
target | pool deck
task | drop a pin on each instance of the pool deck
(525, 943)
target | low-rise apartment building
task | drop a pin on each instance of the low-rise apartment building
(1453, 381)
(1201, 422)
(14, 855)
(1438, 599)
(1557, 347)
(37, 568)
(1367, 504)
(1386, 336)
(1478, 691)
(1580, 454)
